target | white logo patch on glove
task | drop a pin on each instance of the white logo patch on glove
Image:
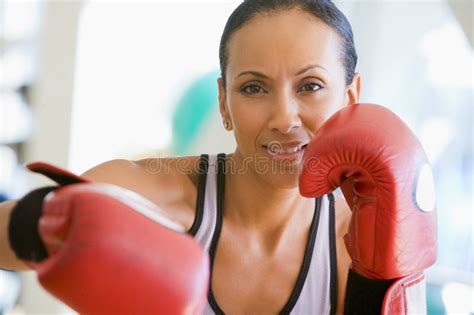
(425, 190)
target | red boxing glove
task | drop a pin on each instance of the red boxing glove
(386, 180)
(108, 254)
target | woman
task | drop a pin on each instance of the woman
(286, 67)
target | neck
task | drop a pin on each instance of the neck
(266, 211)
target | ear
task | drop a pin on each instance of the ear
(353, 90)
(223, 101)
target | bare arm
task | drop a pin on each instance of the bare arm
(343, 216)
(165, 190)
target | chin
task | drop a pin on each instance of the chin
(282, 179)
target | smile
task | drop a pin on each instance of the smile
(282, 151)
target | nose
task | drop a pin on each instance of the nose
(285, 114)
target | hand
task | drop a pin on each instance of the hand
(112, 251)
(386, 180)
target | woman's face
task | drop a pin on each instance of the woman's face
(284, 79)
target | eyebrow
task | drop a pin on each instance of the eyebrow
(263, 76)
(307, 68)
(255, 73)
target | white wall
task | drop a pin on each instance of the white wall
(51, 101)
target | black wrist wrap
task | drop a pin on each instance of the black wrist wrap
(364, 296)
(23, 226)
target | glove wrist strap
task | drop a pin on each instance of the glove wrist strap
(23, 232)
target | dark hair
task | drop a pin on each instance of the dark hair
(324, 10)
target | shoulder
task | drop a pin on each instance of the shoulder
(170, 183)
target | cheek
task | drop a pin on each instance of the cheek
(248, 121)
(312, 120)
(319, 109)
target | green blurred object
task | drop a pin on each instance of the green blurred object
(194, 106)
(434, 303)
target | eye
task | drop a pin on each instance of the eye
(252, 89)
(310, 87)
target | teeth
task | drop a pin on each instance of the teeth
(279, 150)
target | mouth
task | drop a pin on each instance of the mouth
(277, 149)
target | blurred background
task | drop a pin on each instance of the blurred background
(82, 82)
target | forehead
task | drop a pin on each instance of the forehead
(284, 41)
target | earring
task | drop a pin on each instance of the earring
(226, 125)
